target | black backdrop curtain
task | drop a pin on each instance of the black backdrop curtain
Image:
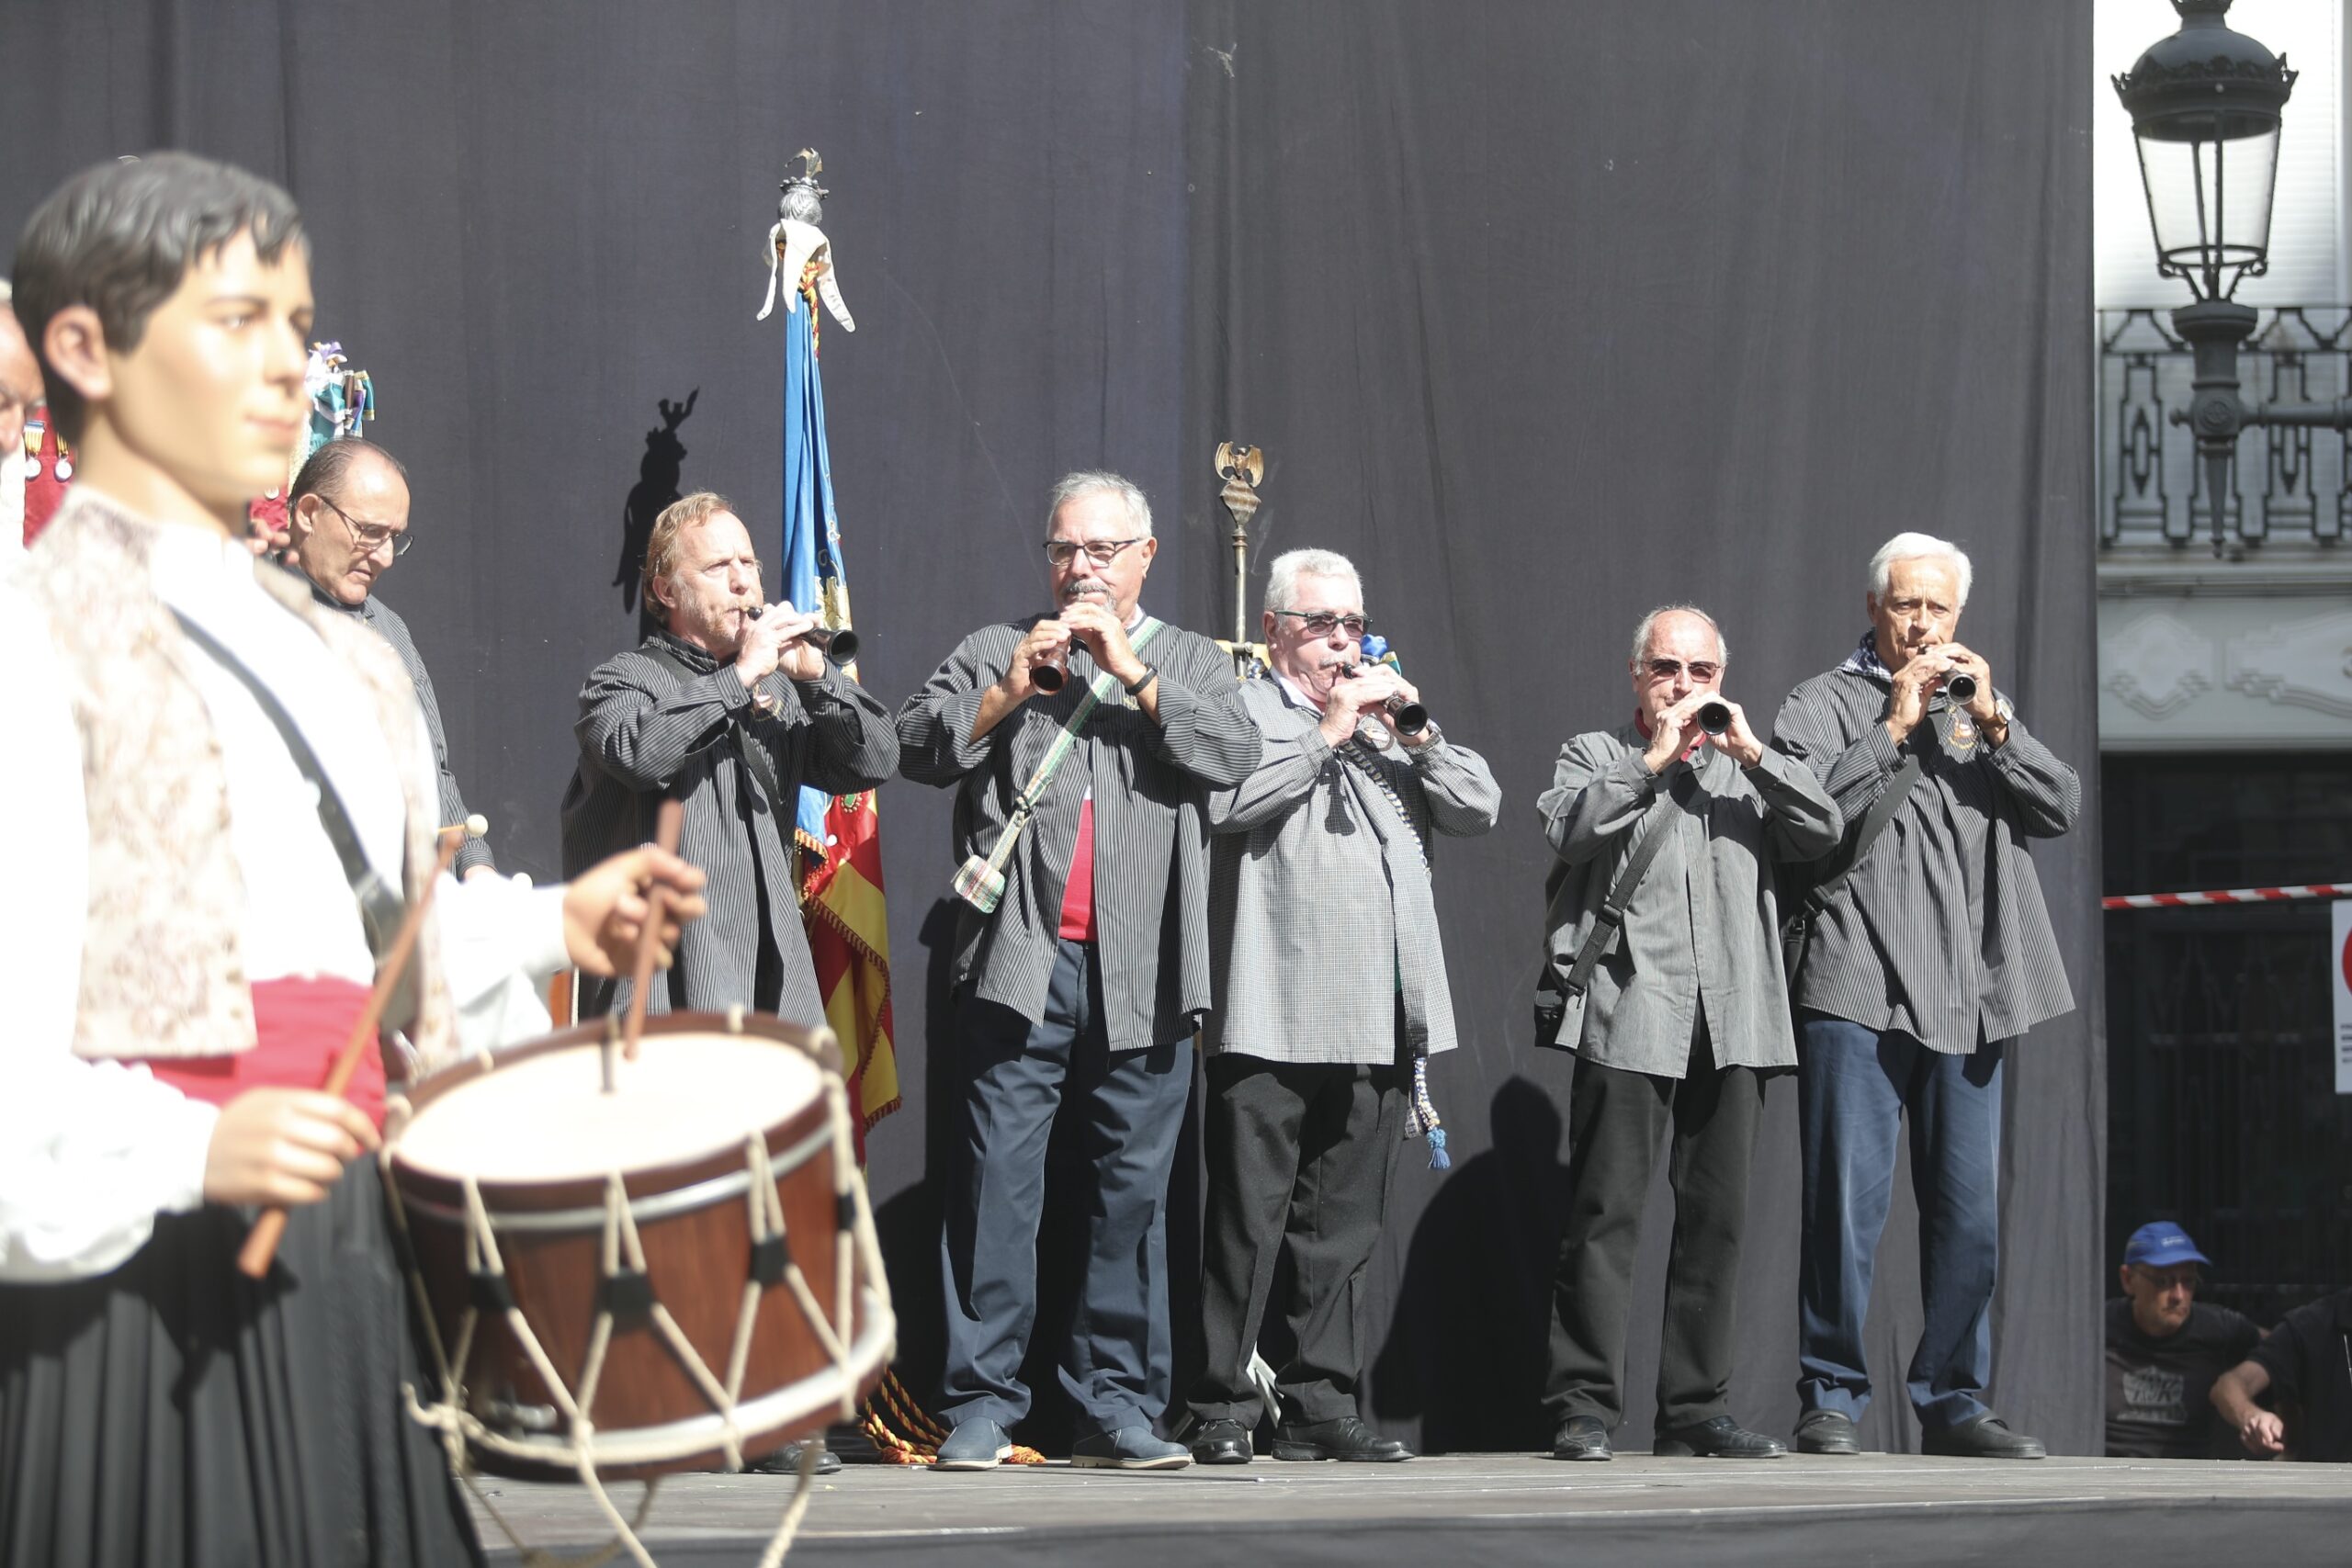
(1544, 313)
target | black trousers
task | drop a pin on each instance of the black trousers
(173, 1414)
(1299, 1156)
(1616, 1120)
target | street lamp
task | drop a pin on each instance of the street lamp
(2205, 114)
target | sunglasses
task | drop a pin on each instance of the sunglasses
(1320, 622)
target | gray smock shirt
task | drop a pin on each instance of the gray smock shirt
(1321, 915)
(1150, 841)
(646, 735)
(1940, 931)
(1701, 929)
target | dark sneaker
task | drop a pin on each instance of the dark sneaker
(1130, 1448)
(1988, 1437)
(1722, 1438)
(1342, 1438)
(1222, 1441)
(1582, 1437)
(977, 1444)
(786, 1461)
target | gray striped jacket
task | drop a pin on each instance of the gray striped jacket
(1150, 842)
(379, 614)
(1321, 917)
(1940, 931)
(1702, 928)
(645, 736)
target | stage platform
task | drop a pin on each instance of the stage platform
(1496, 1508)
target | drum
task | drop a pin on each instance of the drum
(672, 1271)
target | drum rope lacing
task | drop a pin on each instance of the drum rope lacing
(624, 1259)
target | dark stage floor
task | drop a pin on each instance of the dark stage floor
(1500, 1508)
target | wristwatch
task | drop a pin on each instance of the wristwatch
(1430, 736)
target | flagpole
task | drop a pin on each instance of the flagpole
(842, 902)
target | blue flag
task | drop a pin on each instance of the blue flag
(812, 542)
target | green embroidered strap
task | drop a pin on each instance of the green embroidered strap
(980, 883)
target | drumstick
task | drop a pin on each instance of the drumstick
(474, 827)
(261, 1243)
(666, 828)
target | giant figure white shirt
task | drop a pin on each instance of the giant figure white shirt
(91, 1151)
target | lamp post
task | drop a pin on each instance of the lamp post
(2205, 106)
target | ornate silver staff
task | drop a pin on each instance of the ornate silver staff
(1241, 467)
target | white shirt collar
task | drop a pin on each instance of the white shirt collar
(198, 558)
(191, 565)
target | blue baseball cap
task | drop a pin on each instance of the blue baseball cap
(2161, 1244)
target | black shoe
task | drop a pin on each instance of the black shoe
(786, 1461)
(1721, 1438)
(1582, 1437)
(1220, 1442)
(1342, 1438)
(1987, 1437)
(1827, 1432)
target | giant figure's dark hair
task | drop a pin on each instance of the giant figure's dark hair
(120, 236)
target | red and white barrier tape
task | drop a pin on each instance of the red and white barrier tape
(2227, 895)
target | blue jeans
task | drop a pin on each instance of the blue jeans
(1016, 1074)
(1854, 1086)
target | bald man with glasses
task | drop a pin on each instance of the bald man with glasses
(1673, 1000)
(346, 518)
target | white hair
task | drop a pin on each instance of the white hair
(1649, 622)
(1086, 481)
(1920, 547)
(1282, 575)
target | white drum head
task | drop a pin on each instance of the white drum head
(547, 1118)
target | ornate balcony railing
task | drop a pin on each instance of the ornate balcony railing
(2289, 486)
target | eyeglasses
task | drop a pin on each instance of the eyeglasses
(2165, 1277)
(1667, 669)
(1101, 552)
(370, 537)
(1320, 623)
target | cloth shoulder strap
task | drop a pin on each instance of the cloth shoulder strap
(1611, 917)
(381, 909)
(755, 755)
(1874, 821)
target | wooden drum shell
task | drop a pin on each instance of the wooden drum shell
(698, 1247)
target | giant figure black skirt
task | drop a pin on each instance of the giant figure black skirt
(174, 1412)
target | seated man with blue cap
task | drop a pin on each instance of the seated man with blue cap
(2165, 1350)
